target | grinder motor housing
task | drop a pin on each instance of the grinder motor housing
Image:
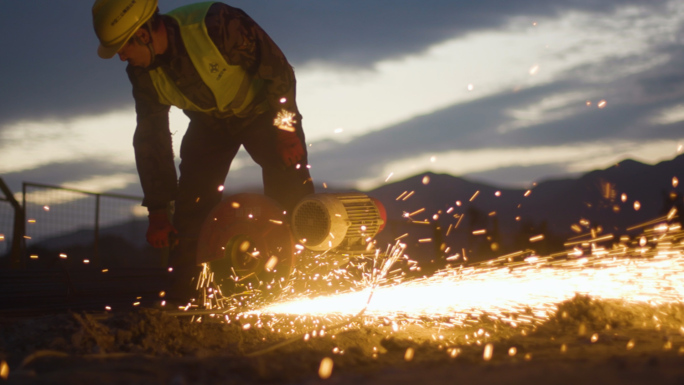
(250, 235)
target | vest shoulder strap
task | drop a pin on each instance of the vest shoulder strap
(233, 89)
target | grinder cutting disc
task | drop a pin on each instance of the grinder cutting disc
(246, 238)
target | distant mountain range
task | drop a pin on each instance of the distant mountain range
(610, 201)
(439, 215)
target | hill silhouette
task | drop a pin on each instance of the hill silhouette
(436, 215)
(609, 201)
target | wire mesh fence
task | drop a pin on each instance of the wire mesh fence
(91, 228)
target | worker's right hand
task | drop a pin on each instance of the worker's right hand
(289, 147)
(159, 229)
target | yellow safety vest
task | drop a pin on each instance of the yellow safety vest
(233, 89)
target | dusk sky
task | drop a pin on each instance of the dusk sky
(497, 91)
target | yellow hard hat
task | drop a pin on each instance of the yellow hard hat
(116, 21)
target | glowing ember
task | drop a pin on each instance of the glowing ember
(488, 351)
(271, 263)
(285, 121)
(537, 238)
(408, 356)
(4, 370)
(326, 367)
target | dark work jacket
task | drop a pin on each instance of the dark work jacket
(242, 42)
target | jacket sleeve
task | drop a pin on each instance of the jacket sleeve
(152, 143)
(243, 42)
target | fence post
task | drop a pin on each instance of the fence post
(23, 224)
(96, 243)
(18, 229)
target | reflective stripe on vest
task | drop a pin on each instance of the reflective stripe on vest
(233, 89)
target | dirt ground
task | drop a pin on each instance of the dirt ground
(586, 341)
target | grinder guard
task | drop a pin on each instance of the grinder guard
(241, 236)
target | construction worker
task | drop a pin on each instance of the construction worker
(238, 89)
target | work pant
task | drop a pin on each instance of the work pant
(207, 150)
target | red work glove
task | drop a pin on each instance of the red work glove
(159, 229)
(289, 147)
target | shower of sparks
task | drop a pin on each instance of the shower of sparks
(285, 120)
(322, 272)
(523, 288)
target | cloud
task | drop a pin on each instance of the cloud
(360, 33)
(26, 145)
(515, 167)
(51, 69)
(553, 115)
(405, 67)
(519, 176)
(547, 118)
(95, 175)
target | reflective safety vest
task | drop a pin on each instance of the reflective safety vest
(234, 90)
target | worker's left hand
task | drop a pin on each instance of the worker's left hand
(160, 230)
(289, 147)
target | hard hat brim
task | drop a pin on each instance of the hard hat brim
(107, 52)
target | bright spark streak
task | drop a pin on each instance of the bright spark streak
(508, 286)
